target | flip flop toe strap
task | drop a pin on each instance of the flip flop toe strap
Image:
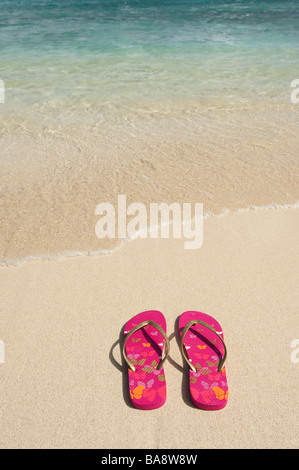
(138, 327)
(187, 327)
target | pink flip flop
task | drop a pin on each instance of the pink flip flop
(203, 348)
(145, 338)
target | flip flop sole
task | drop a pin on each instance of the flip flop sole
(208, 387)
(144, 349)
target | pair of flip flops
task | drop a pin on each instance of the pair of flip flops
(202, 347)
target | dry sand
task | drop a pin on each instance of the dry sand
(63, 383)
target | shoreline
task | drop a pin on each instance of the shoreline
(15, 262)
(53, 179)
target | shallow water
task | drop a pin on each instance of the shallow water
(174, 101)
(108, 54)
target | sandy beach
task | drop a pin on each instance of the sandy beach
(64, 384)
(190, 103)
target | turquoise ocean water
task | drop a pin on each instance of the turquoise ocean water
(93, 53)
